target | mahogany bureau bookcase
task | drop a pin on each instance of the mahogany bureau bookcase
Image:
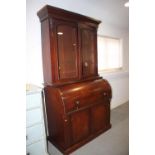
(77, 98)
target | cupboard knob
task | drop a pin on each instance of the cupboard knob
(77, 102)
(86, 64)
(28, 153)
(26, 137)
(104, 94)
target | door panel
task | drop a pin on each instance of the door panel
(100, 115)
(67, 50)
(88, 51)
(80, 127)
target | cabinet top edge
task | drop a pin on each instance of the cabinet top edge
(56, 85)
(48, 10)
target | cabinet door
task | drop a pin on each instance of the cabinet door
(67, 50)
(80, 125)
(88, 52)
(100, 116)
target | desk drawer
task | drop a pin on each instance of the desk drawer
(74, 103)
(33, 116)
(34, 133)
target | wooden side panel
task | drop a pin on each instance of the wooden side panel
(46, 52)
(55, 113)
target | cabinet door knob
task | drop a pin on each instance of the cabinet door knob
(86, 64)
(77, 102)
(28, 153)
(26, 137)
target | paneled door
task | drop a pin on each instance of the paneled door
(88, 52)
(100, 116)
(67, 50)
(80, 125)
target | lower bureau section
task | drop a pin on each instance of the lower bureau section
(77, 113)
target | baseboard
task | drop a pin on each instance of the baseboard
(117, 105)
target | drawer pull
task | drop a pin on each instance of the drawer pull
(28, 153)
(77, 102)
(104, 94)
(85, 64)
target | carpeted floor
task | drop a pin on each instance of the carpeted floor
(113, 142)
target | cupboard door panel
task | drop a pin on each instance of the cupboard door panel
(88, 51)
(67, 51)
(80, 125)
(100, 115)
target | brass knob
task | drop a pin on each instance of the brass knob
(77, 102)
(86, 64)
(104, 94)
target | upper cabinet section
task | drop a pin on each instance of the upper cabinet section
(69, 46)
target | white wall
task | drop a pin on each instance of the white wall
(118, 81)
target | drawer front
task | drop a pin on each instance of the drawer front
(36, 149)
(75, 103)
(33, 116)
(34, 133)
(33, 100)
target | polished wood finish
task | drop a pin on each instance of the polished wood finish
(69, 45)
(88, 52)
(66, 36)
(77, 98)
(79, 127)
(77, 112)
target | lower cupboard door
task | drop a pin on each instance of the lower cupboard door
(80, 125)
(100, 117)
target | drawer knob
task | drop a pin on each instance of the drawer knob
(77, 102)
(104, 94)
(28, 153)
(26, 137)
(86, 64)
